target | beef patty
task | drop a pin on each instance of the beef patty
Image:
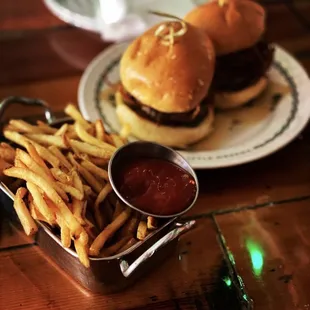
(239, 70)
(191, 118)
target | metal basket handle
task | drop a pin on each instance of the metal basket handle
(28, 102)
(127, 269)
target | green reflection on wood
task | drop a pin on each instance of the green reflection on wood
(257, 256)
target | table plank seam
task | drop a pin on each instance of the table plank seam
(244, 298)
(245, 208)
(17, 247)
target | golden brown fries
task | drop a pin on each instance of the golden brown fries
(33, 166)
(103, 194)
(151, 223)
(6, 146)
(90, 149)
(36, 157)
(16, 138)
(131, 226)
(23, 214)
(7, 154)
(46, 128)
(82, 252)
(100, 132)
(74, 192)
(62, 159)
(72, 111)
(64, 232)
(88, 191)
(128, 245)
(142, 230)
(100, 162)
(62, 130)
(48, 140)
(60, 177)
(90, 179)
(47, 155)
(118, 209)
(92, 168)
(29, 162)
(78, 205)
(18, 163)
(117, 141)
(40, 203)
(24, 126)
(100, 198)
(51, 193)
(108, 232)
(86, 137)
(35, 213)
(112, 249)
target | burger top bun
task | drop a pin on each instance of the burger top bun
(169, 77)
(232, 25)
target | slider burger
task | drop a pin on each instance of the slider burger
(243, 57)
(165, 77)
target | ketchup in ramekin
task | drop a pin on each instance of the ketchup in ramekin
(156, 186)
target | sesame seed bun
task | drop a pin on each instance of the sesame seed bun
(169, 79)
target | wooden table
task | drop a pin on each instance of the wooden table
(251, 246)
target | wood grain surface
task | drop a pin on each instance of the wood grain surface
(263, 206)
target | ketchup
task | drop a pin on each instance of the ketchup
(156, 186)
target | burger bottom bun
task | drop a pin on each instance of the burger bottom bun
(231, 100)
(146, 130)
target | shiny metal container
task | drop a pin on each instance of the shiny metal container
(108, 274)
(144, 149)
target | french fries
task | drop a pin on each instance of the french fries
(62, 130)
(48, 140)
(36, 157)
(47, 155)
(45, 128)
(64, 232)
(24, 127)
(118, 209)
(25, 218)
(100, 132)
(108, 232)
(100, 198)
(62, 159)
(72, 111)
(142, 230)
(40, 203)
(151, 223)
(78, 204)
(128, 245)
(86, 137)
(90, 179)
(90, 149)
(60, 177)
(92, 168)
(82, 252)
(7, 154)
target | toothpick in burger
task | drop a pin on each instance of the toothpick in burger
(243, 56)
(165, 78)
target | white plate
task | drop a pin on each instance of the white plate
(240, 136)
(83, 13)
